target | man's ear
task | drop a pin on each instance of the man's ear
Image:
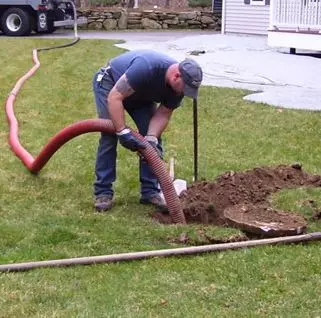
(177, 75)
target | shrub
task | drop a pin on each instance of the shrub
(200, 3)
(102, 3)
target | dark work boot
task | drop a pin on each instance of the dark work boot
(155, 200)
(103, 203)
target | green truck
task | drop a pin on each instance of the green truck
(21, 17)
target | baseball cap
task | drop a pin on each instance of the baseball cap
(192, 76)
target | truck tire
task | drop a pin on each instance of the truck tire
(50, 26)
(16, 22)
(51, 29)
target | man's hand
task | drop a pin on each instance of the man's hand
(129, 141)
(153, 141)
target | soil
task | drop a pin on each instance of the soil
(241, 199)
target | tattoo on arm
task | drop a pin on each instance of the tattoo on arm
(123, 87)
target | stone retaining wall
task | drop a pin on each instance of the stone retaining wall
(122, 19)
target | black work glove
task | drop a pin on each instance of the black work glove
(153, 141)
(129, 141)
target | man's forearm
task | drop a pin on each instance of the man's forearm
(159, 121)
(120, 91)
(117, 115)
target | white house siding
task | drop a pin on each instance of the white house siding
(245, 18)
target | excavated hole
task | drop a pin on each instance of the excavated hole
(241, 200)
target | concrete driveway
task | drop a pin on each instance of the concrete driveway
(276, 77)
(130, 35)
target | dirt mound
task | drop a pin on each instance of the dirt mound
(205, 202)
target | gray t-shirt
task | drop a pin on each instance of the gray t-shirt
(145, 71)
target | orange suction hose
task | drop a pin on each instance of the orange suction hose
(91, 125)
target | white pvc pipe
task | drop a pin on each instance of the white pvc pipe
(75, 19)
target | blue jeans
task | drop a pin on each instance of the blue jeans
(105, 169)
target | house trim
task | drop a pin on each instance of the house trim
(223, 16)
(304, 41)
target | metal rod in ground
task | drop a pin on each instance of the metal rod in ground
(195, 125)
(158, 253)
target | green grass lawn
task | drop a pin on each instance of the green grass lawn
(50, 216)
